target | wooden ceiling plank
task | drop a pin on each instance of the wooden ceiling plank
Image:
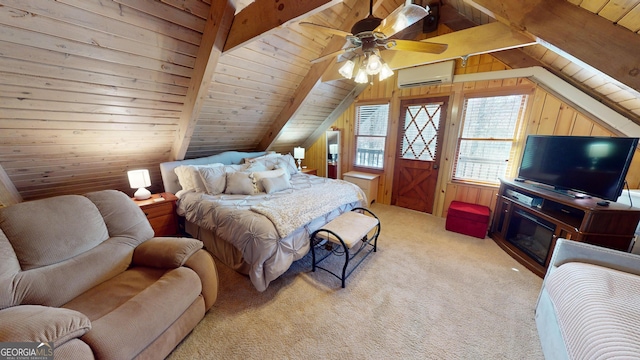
(261, 17)
(215, 33)
(631, 20)
(560, 25)
(317, 70)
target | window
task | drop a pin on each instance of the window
(371, 134)
(490, 128)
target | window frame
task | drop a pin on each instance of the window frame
(356, 135)
(516, 141)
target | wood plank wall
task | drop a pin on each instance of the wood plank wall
(91, 89)
(549, 114)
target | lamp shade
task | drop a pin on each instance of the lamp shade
(298, 153)
(333, 149)
(139, 179)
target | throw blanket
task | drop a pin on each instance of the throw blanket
(291, 211)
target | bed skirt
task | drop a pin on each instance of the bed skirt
(224, 251)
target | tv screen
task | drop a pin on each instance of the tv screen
(595, 166)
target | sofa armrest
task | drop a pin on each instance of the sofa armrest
(165, 252)
(573, 251)
(202, 263)
(35, 323)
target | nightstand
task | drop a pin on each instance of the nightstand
(367, 182)
(309, 171)
(161, 213)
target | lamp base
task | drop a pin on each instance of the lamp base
(142, 194)
(299, 164)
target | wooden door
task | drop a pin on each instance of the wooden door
(420, 145)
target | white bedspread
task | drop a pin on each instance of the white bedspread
(269, 254)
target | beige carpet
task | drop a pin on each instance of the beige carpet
(426, 294)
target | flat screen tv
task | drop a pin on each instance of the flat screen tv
(595, 166)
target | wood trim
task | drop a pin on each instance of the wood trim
(561, 25)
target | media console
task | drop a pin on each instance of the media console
(530, 217)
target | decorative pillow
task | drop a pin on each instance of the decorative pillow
(253, 159)
(234, 168)
(289, 163)
(184, 177)
(239, 182)
(256, 166)
(275, 184)
(198, 183)
(259, 175)
(189, 176)
(214, 179)
(283, 167)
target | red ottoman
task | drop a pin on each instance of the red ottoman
(468, 219)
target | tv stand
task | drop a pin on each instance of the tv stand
(528, 220)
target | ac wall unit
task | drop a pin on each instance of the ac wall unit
(426, 75)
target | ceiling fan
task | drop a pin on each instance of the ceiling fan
(370, 35)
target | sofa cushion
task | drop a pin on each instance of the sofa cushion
(42, 324)
(122, 216)
(132, 309)
(598, 310)
(62, 227)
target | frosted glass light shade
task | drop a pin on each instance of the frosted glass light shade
(362, 77)
(374, 64)
(139, 179)
(298, 153)
(346, 70)
(385, 72)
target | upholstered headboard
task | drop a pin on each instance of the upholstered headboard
(170, 179)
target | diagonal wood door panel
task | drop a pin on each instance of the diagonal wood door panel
(420, 141)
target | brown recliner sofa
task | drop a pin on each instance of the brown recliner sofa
(87, 274)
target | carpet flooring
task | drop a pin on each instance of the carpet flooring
(427, 293)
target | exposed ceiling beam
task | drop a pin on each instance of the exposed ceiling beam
(357, 12)
(9, 195)
(474, 41)
(561, 25)
(213, 39)
(263, 16)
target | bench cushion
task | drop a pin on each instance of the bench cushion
(350, 226)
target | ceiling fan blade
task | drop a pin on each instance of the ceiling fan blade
(417, 46)
(329, 56)
(401, 18)
(326, 29)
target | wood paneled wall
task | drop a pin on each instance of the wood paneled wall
(91, 89)
(548, 114)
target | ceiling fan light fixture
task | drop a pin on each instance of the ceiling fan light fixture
(374, 64)
(385, 72)
(346, 70)
(361, 76)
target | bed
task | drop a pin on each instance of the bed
(253, 210)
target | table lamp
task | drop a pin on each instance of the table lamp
(333, 150)
(139, 179)
(298, 154)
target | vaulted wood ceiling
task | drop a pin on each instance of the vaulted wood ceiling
(92, 88)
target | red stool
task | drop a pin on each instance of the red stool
(468, 219)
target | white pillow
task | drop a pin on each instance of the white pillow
(259, 175)
(189, 176)
(289, 163)
(275, 184)
(184, 177)
(239, 182)
(214, 179)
